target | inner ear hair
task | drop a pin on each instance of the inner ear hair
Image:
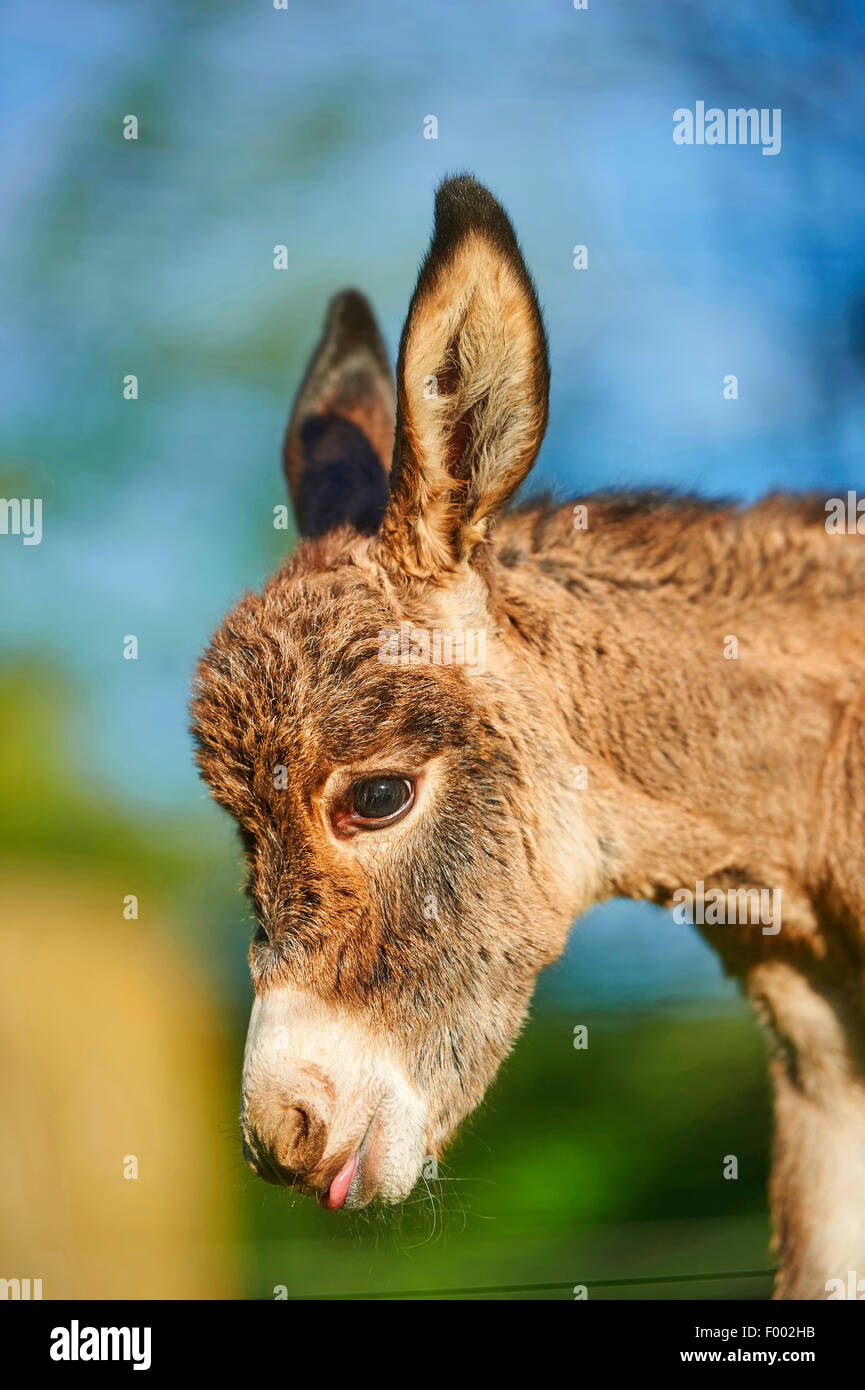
(472, 385)
(339, 440)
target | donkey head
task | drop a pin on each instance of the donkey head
(380, 723)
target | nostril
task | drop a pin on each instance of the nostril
(291, 1136)
(301, 1140)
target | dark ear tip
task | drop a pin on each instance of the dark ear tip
(462, 202)
(350, 315)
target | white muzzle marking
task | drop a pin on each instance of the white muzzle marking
(302, 1052)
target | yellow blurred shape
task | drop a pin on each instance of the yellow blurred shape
(110, 1051)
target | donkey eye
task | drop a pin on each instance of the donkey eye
(380, 798)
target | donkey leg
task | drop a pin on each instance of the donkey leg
(817, 1040)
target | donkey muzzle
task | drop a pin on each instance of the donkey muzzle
(326, 1109)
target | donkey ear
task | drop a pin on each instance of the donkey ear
(472, 386)
(339, 441)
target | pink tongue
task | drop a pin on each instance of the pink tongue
(338, 1190)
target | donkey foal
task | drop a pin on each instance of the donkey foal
(420, 835)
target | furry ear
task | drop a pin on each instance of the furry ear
(339, 440)
(472, 386)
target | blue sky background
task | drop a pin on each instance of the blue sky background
(305, 127)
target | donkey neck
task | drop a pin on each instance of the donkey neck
(699, 658)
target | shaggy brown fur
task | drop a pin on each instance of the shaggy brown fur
(606, 654)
